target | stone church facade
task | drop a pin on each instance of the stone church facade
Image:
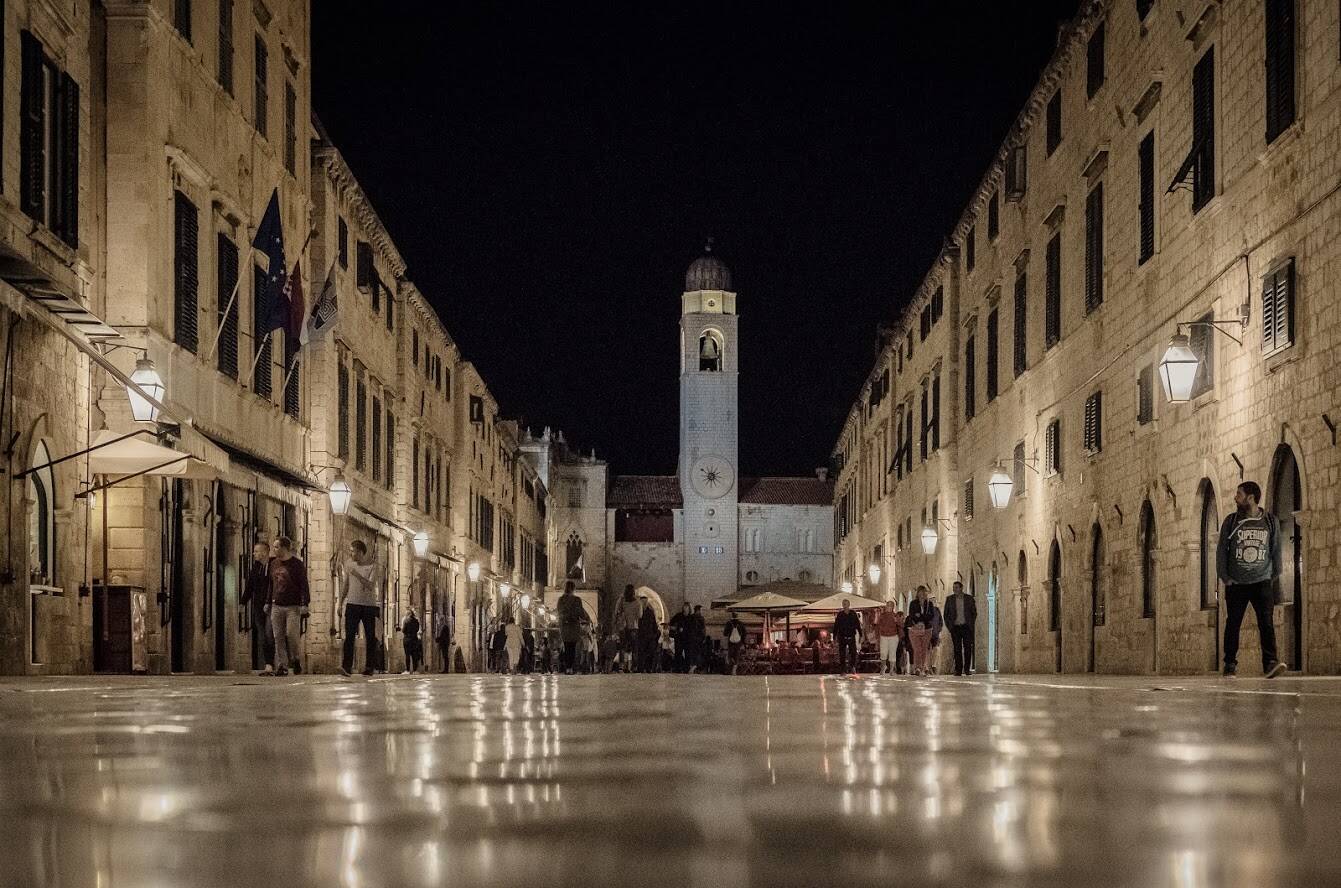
(707, 532)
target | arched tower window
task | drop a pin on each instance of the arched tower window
(42, 520)
(710, 351)
(1098, 598)
(1207, 539)
(576, 570)
(1148, 540)
(1022, 576)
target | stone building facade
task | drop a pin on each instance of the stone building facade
(151, 135)
(1173, 166)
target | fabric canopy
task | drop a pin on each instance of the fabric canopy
(138, 456)
(835, 603)
(767, 601)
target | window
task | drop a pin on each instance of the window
(993, 354)
(389, 471)
(49, 143)
(937, 304)
(1143, 8)
(390, 311)
(1280, 62)
(1148, 542)
(926, 422)
(1094, 248)
(360, 425)
(967, 502)
(1203, 131)
(185, 272)
(1052, 305)
(414, 472)
(994, 216)
(971, 248)
(1094, 422)
(1019, 469)
(1278, 308)
(290, 129)
(1016, 172)
(261, 107)
(1055, 587)
(342, 421)
(1052, 448)
(414, 347)
(574, 494)
(292, 383)
(1145, 395)
(1201, 340)
(342, 242)
(181, 18)
(970, 379)
(1146, 205)
(42, 519)
(376, 438)
(936, 412)
(1209, 537)
(226, 298)
(709, 352)
(260, 336)
(226, 45)
(1054, 122)
(924, 328)
(1098, 602)
(1094, 62)
(1022, 577)
(908, 439)
(1021, 323)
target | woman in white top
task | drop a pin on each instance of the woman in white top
(512, 643)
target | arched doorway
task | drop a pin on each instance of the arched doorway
(1208, 586)
(1286, 500)
(1055, 597)
(1022, 579)
(993, 579)
(1097, 602)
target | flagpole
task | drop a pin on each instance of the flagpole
(293, 365)
(251, 376)
(237, 285)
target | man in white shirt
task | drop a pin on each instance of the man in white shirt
(360, 601)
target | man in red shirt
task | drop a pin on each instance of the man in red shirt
(288, 603)
(889, 626)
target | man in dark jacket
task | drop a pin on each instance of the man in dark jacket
(1247, 559)
(734, 633)
(846, 628)
(679, 629)
(571, 617)
(288, 603)
(696, 635)
(961, 615)
(255, 593)
(649, 636)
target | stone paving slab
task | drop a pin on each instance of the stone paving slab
(669, 780)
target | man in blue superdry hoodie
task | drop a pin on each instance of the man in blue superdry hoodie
(1247, 558)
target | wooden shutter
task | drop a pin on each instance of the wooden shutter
(1021, 323)
(1145, 395)
(1020, 467)
(1052, 446)
(1146, 201)
(1017, 168)
(1278, 309)
(226, 45)
(936, 412)
(342, 242)
(32, 129)
(226, 299)
(1093, 434)
(389, 471)
(1280, 64)
(1094, 57)
(292, 376)
(970, 378)
(390, 311)
(68, 161)
(261, 86)
(968, 499)
(414, 471)
(1054, 122)
(376, 438)
(261, 340)
(1052, 333)
(993, 354)
(290, 129)
(181, 18)
(1203, 130)
(342, 421)
(1094, 248)
(360, 425)
(186, 275)
(970, 249)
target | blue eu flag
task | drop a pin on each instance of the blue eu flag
(270, 241)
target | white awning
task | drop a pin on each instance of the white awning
(139, 456)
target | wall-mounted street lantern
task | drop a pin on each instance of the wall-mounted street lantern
(929, 539)
(341, 494)
(1178, 368)
(1000, 485)
(421, 543)
(873, 573)
(147, 378)
(525, 601)
(473, 571)
(505, 590)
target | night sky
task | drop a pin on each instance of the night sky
(549, 173)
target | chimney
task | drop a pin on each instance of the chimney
(822, 474)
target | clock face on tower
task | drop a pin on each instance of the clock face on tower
(711, 477)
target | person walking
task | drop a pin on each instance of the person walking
(734, 633)
(289, 599)
(889, 628)
(649, 637)
(627, 611)
(443, 637)
(961, 616)
(360, 604)
(571, 617)
(679, 633)
(920, 618)
(513, 644)
(937, 635)
(697, 635)
(413, 644)
(846, 628)
(1247, 560)
(255, 593)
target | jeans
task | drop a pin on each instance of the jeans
(356, 614)
(1238, 597)
(847, 653)
(414, 654)
(961, 642)
(262, 642)
(285, 624)
(568, 659)
(919, 637)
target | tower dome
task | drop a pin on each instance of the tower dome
(707, 272)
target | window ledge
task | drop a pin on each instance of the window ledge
(1283, 145)
(1284, 357)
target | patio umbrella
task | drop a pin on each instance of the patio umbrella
(835, 603)
(766, 603)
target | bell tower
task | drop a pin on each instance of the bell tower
(709, 418)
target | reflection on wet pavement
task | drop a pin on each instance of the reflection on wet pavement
(668, 780)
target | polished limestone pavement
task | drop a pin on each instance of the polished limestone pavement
(669, 780)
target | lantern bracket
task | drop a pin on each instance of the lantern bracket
(1219, 324)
